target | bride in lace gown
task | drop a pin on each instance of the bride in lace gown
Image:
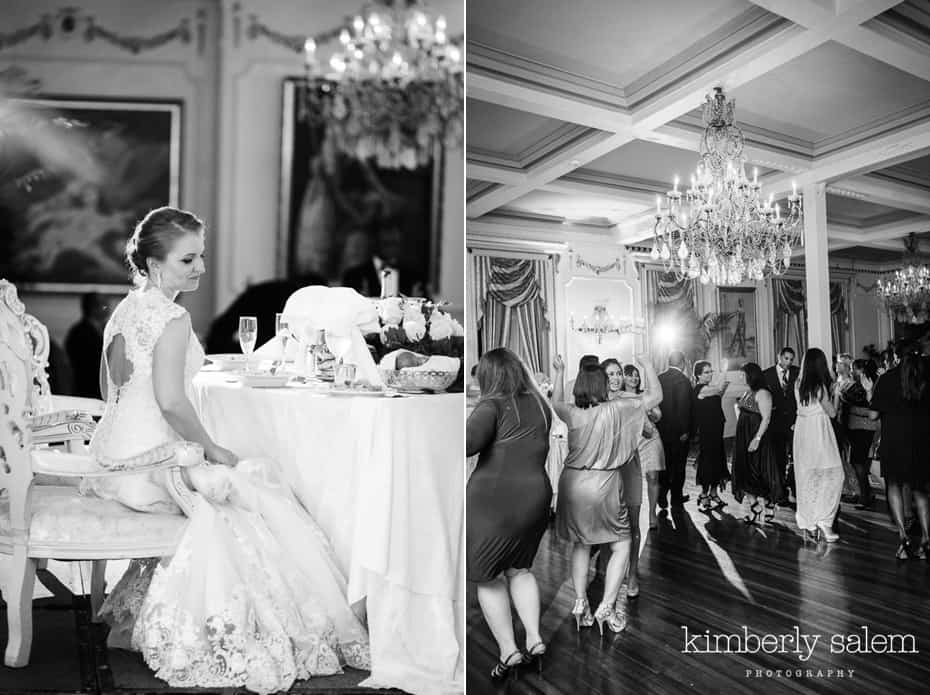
(253, 596)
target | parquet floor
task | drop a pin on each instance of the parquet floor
(713, 572)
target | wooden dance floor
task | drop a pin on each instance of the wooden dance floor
(712, 572)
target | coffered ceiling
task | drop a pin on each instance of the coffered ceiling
(580, 112)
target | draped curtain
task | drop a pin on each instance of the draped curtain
(511, 304)
(791, 315)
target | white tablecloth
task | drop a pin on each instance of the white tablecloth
(383, 477)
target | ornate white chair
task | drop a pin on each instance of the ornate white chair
(42, 522)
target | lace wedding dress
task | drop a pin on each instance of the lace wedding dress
(252, 597)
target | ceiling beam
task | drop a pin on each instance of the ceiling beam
(495, 173)
(738, 68)
(584, 150)
(883, 192)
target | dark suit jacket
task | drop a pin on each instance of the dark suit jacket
(84, 346)
(676, 404)
(784, 404)
(365, 280)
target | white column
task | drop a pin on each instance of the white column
(816, 268)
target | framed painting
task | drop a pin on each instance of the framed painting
(340, 216)
(739, 337)
(76, 177)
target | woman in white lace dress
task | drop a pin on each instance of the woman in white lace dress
(818, 468)
(252, 596)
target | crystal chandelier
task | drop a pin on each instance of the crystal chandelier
(388, 84)
(720, 229)
(906, 292)
(602, 324)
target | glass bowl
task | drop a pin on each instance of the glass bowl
(417, 381)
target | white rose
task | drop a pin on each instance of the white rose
(391, 310)
(457, 329)
(415, 330)
(412, 312)
(440, 325)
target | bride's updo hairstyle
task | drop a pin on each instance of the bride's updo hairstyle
(154, 236)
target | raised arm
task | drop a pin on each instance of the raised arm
(168, 380)
(764, 399)
(561, 408)
(652, 389)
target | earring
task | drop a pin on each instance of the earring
(156, 278)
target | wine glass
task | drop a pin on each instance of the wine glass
(248, 333)
(282, 330)
(339, 344)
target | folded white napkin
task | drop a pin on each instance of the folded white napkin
(337, 310)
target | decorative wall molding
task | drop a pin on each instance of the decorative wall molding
(138, 44)
(41, 28)
(295, 42)
(617, 265)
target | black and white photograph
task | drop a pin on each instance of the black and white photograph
(698, 275)
(232, 373)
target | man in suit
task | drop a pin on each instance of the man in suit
(84, 345)
(674, 429)
(388, 248)
(780, 379)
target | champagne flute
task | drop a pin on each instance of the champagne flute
(248, 333)
(282, 330)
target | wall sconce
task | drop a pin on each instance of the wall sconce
(601, 323)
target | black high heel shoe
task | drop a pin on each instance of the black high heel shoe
(534, 655)
(905, 550)
(507, 667)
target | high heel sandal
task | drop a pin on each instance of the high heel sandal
(607, 614)
(810, 535)
(507, 667)
(923, 550)
(535, 655)
(905, 551)
(769, 513)
(754, 513)
(716, 502)
(703, 503)
(582, 612)
(829, 535)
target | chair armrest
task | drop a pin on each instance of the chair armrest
(60, 463)
(62, 426)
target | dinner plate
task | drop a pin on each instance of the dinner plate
(228, 361)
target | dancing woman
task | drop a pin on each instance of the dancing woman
(709, 420)
(756, 476)
(507, 502)
(602, 436)
(902, 400)
(818, 468)
(651, 453)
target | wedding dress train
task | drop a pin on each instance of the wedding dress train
(252, 596)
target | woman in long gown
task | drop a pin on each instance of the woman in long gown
(252, 596)
(818, 468)
(602, 437)
(756, 478)
(709, 420)
(507, 502)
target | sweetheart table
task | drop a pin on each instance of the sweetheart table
(383, 478)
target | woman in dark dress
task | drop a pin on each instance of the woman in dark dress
(860, 429)
(712, 470)
(755, 468)
(507, 501)
(902, 400)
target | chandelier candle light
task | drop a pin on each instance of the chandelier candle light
(721, 229)
(906, 292)
(392, 84)
(602, 324)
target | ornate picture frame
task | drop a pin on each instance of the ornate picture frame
(78, 175)
(357, 202)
